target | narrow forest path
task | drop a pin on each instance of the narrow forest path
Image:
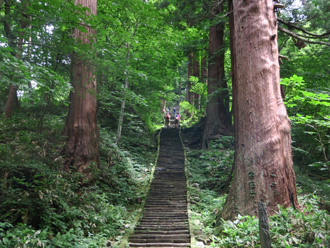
(165, 217)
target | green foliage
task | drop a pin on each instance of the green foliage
(43, 205)
(296, 94)
(288, 228)
(210, 169)
(307, 95)
(190, 115)
(310, 115)
(208, 172)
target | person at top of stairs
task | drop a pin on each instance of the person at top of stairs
(167, 119)
(177, 120)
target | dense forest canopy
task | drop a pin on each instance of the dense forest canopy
(84, 87)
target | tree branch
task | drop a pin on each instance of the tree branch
(303, 30)
(302, 39)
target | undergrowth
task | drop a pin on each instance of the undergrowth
(208, 171)
(43, 205)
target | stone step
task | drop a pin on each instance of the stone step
(166, 194)
(174, 176)
(168, 188)
(165, 214)
(154, 195)
(168, 225)
(164, 221)
(186, 231)
(167, 203)
(167, 208)
(171, 171)
(170, 205)
(160, 236)
(157, 245)
(168, 214)
(167, 198)
(163, 227)
(160, 240)
(184, 217)
(170, 185)
(162, 198)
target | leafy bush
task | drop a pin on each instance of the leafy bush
(310, 115)
(209, 169)
(43, 205)
(288, 228)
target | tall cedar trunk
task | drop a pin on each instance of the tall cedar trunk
(162, 106)
(203, 78)
(123, 103)
(12, 99)
(196, 74)
(189, 95)
(29, 54)
(203, 70)
(217, 120)
(234, 84)
(82, 147)
(263, 169)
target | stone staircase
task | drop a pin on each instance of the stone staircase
(165, 218)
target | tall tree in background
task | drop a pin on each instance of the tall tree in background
(189, 94)
(217, 121)
(123, 103)
(82, 147)
(264, 168)
(196, 74)
(12, 100)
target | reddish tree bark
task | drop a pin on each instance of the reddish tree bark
(233, 78)
(203, 78)
(12, 99)
(217, 120)
(189, 95)
(196, 73)
(162, 106)
(203, 70)
(82, 147)
(263, 168)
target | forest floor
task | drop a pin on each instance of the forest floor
(42, 205)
